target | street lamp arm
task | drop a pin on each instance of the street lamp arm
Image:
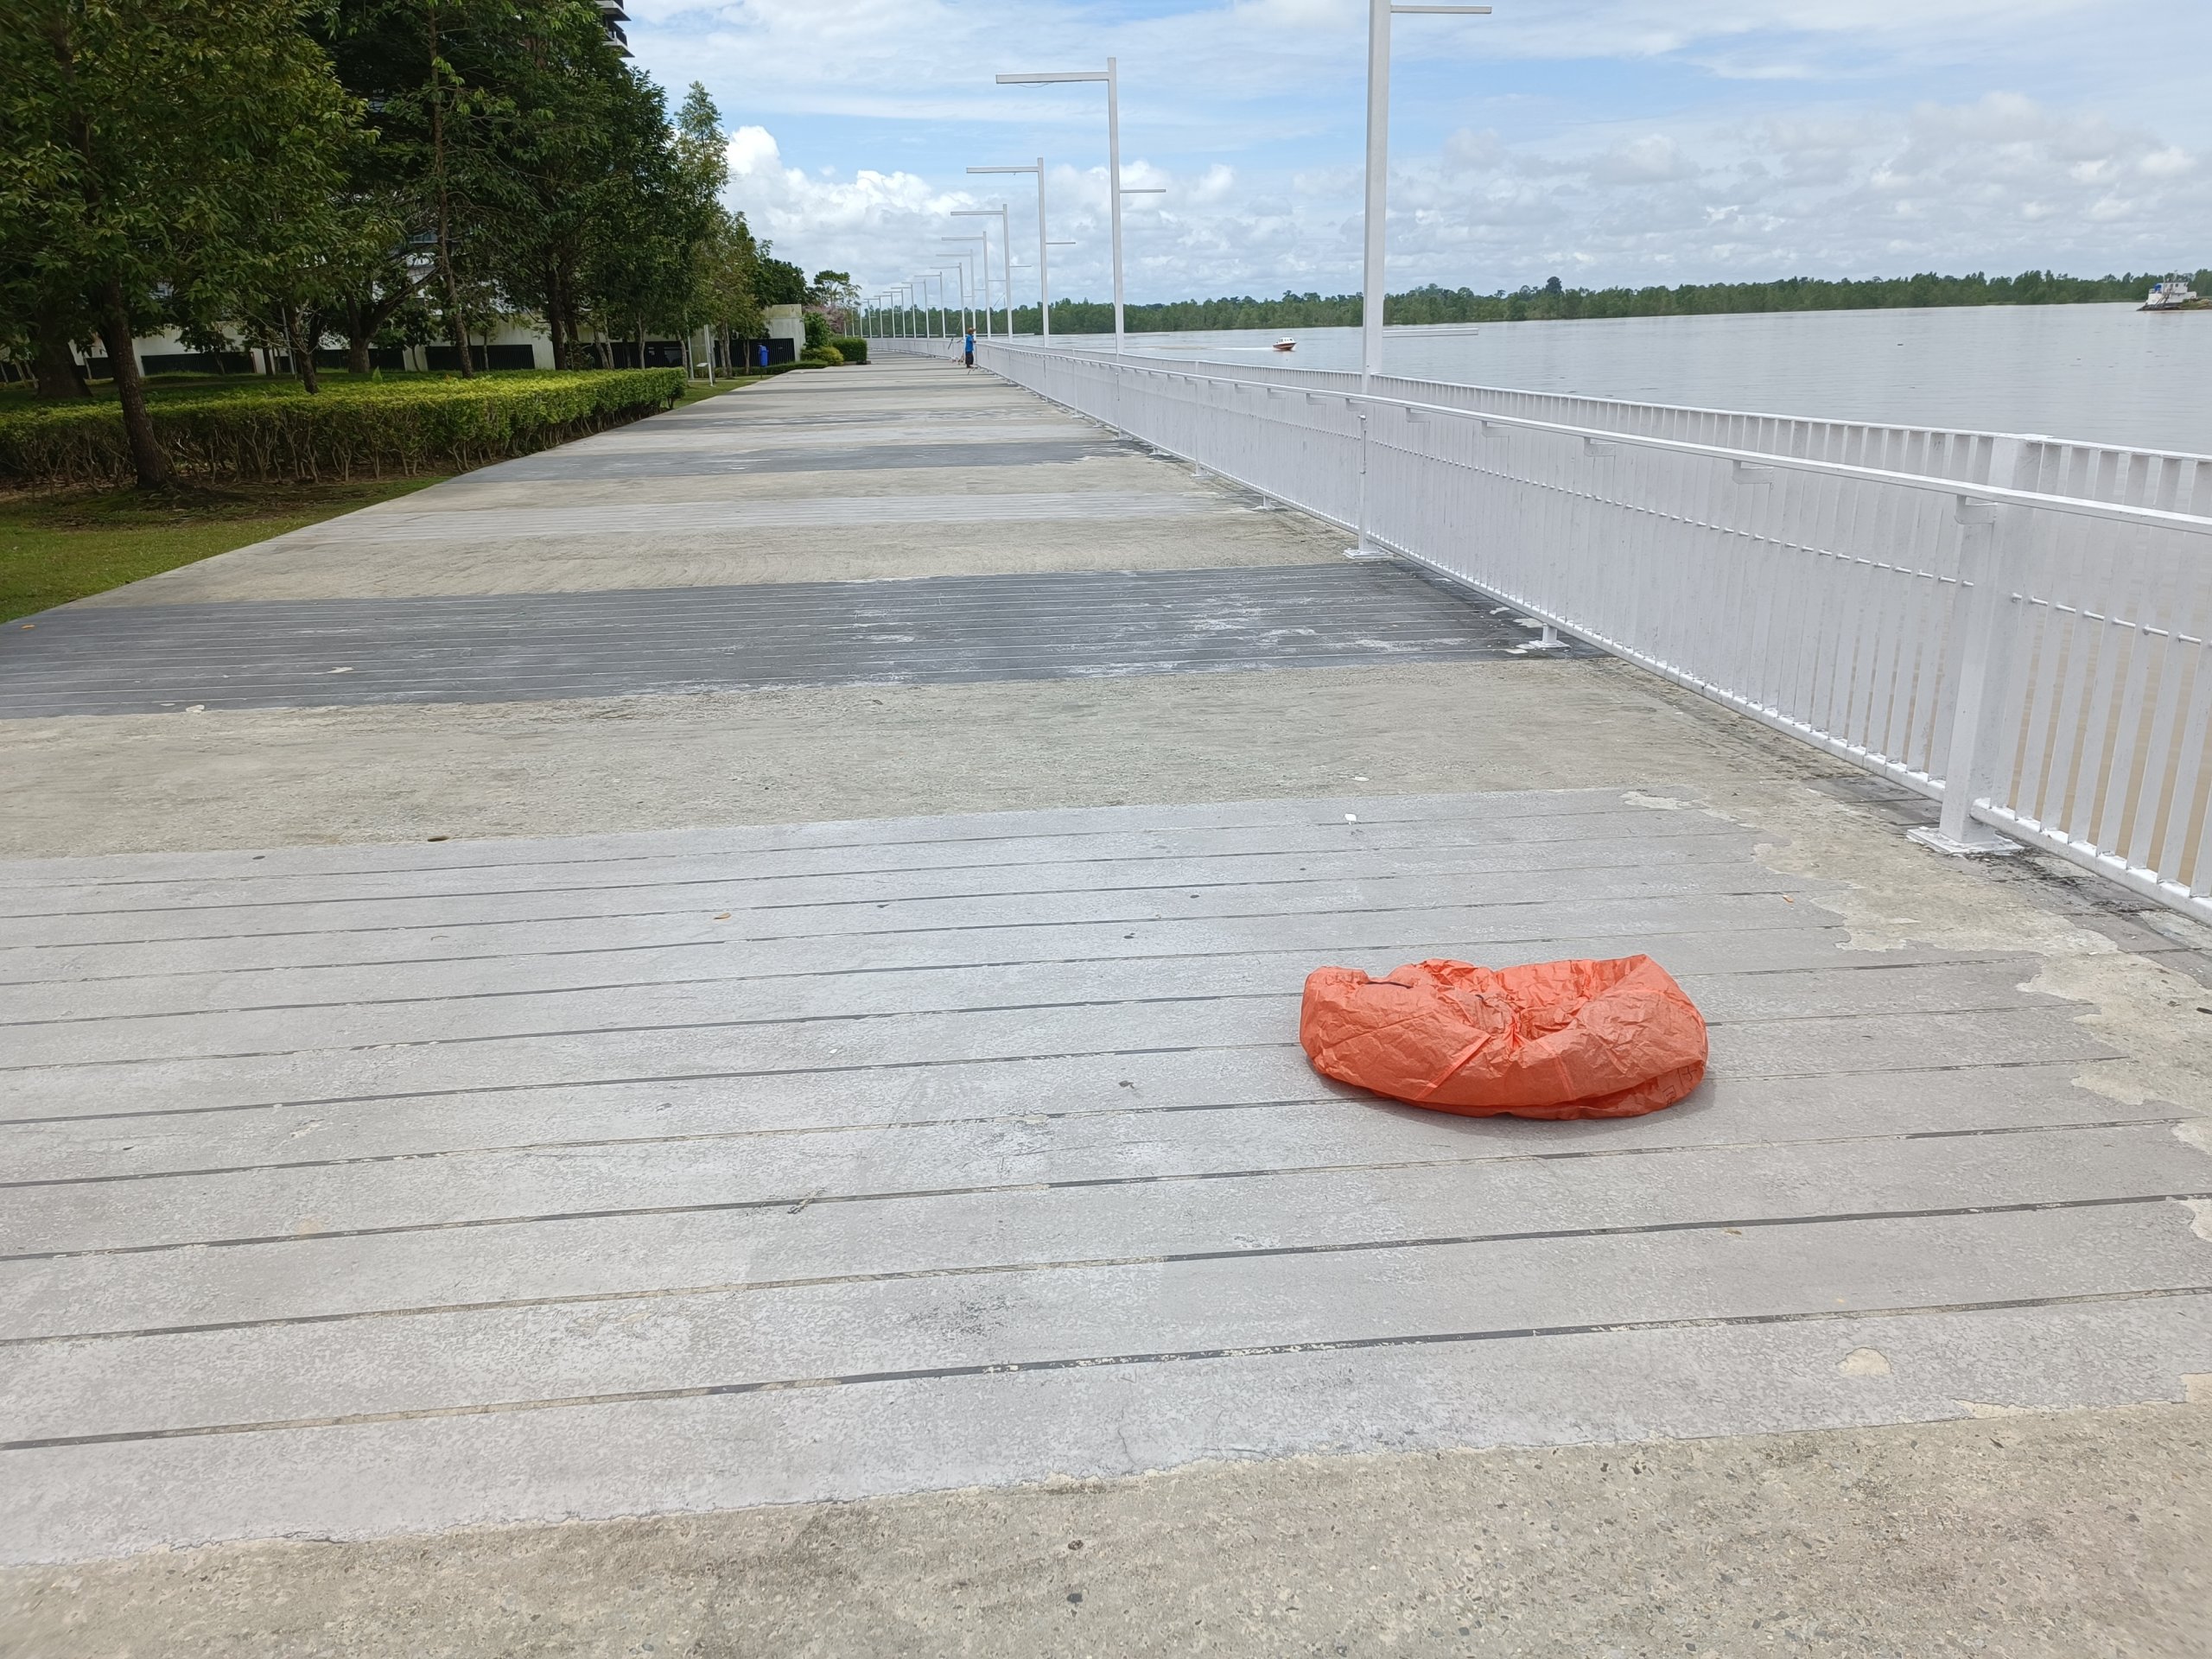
(1034, 167)
(1110, 76)
(1144, 190)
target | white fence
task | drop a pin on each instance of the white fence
(2015, 626)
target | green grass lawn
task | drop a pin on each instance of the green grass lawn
(63, 545)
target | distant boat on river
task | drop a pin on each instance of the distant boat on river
(2174, 295)
(1285, 345)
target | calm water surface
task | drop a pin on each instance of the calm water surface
(2104, 373)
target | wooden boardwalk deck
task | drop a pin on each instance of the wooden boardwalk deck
(369, 1189)
(394, 1187)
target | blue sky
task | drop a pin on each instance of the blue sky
(1604, 141)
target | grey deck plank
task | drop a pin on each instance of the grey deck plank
(1872, 987)
(440, 996)
(998, 1428)
(1079, 826)
(864, 1050)
(1455, 873)
(508, 647)
(212, 987)
(520, 1134)
(1218, 1091)
(1562, 841)
(986, 898)
(1244, 1153)
(417, 1363)
(1607, 927)
(1894, 1150)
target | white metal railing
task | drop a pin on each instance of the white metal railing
(915, 346)
(2020, 617)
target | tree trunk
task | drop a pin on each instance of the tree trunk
(357, 337)
(641, 342)
(54, 366)
(456, 330)
(554, 299)
(149, 460)
(302, 353)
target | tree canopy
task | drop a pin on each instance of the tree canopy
(285, 173)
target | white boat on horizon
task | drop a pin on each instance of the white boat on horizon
(2173, 294)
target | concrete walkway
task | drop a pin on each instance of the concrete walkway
(753, 961)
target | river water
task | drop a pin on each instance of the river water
(2100, 373)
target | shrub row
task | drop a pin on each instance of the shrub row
(350, 430)
(852, 347)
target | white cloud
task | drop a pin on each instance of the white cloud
(1617, 140)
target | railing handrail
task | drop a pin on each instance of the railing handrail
(2032, 657)
(1996, 494)
(1235, 371)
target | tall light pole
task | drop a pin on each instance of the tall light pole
(999, 213)
(1379, 12)
(1044, 304)
(964, 255)
(942, 271)
(1111, 77)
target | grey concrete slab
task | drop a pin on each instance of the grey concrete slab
(342, 652)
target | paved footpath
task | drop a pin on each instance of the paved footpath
(688, 1043)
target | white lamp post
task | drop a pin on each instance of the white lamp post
(1044, 304)
(984, 289)
(1006, 285)
(1379, 12)
(1111, 77)
(942, 271)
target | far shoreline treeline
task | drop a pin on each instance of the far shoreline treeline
(1554, 302)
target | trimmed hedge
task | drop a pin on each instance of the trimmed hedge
(852, 347)
(821, 357)
(364, 428)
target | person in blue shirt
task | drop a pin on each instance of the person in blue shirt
(968, 348)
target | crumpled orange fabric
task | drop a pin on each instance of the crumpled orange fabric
(1551, 1039)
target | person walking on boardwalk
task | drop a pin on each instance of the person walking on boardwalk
(968, 348)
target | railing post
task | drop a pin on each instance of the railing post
(1966, 769)
(1361, 547)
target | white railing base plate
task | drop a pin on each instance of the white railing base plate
(1992, 847)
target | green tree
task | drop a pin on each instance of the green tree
(137, 140)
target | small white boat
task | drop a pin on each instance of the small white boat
(2173, 294)
(1285, 345)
